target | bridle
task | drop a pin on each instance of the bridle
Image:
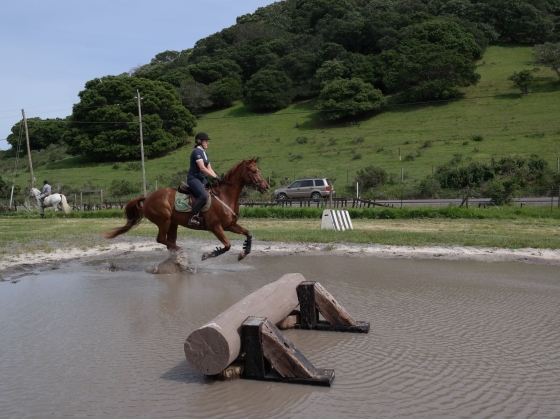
(254, 183)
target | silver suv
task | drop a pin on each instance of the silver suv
(315, 189)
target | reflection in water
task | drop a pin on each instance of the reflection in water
(447, 339)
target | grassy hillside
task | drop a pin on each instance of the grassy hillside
(431, 133)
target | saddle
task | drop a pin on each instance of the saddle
(184, 188)
(185, 199)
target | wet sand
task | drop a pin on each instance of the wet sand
(458, 338)
(21, 262)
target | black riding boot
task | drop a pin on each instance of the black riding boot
(197, 206)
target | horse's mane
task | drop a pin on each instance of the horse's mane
(236, 167)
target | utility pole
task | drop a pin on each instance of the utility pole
(28, 149)
(141, 142)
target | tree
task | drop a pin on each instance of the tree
(300, 67)
(522, 80)
(210, 71)
(3, 187)
(176, 76)
(165, 57)
(345, 98)
(447, 34)
(549, 55)
(42, 133)
(371, 177)
(195, 96)
(424, 71)
(225, 91)
(104, 124)
(267, 90)
(329, 71)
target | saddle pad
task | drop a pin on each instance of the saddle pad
(183, 204)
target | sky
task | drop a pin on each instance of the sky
(49, 49)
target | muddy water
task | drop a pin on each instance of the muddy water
(447, 339)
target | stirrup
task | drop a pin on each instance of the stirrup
(195, 221)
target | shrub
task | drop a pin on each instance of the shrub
(301, 140)
(523, 80)
(429, 188)
(502, 190)
(133, 166)
(477, 137)
(371, 176)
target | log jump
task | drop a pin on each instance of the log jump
(248, 334)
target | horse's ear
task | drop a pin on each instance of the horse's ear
(256, 160)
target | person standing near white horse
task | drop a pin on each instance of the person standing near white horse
(46, 199)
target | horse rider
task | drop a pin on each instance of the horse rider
(196, 179)
(46, 191)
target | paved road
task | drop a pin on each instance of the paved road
(533, 201)
(541, 201)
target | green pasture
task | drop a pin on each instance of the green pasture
(433, 133)
(505, 227)
(37, 235)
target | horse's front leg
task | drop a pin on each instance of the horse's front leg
(219, 232)
(235, 228)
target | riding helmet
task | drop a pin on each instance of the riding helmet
(202, 136)
(45, 182)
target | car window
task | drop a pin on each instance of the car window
(307, 183)
(319, 183)
(296, 184)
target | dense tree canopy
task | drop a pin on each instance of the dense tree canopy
(225, 91)
(421, 50)
(347, 98)
(42, 133)
(411, 49)
(104, 124)
(424, 71)
(268, 90)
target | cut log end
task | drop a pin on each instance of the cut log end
(207, 350)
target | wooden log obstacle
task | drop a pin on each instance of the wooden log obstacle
(245, 340)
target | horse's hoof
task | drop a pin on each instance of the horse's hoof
(206, 255)
(241, 256)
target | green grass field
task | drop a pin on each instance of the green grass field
(494, 109)
(36, 235)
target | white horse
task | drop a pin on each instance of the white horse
(52, 200)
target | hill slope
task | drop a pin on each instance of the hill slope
(431, 133)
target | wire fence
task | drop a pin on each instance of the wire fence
(88, 200)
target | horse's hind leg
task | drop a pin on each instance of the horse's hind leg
(162, 236)
(172, 234)
(219, 232)
(235, 228)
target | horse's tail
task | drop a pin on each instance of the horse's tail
(65, 205)
(134, 216)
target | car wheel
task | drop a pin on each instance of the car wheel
(316, 196)
(282, 196)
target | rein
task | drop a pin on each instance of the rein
(213, 194)
(253, 184)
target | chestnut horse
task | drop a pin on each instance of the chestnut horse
(159, 208)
